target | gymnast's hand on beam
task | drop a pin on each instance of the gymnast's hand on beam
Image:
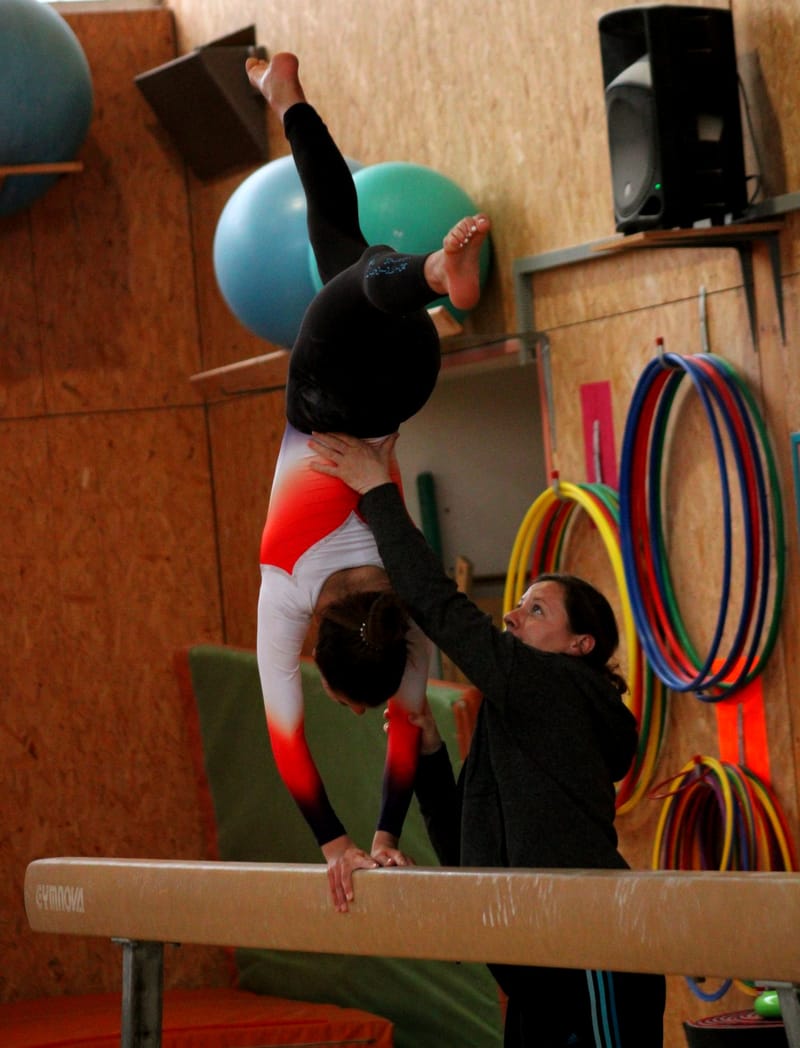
(385, 851)
(361, 464)
(343, 858)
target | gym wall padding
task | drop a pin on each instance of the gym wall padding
(432, 1004)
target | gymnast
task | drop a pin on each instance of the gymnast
(366, 358)
(552, 737)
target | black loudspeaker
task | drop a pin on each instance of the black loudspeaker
(205, 102)
(674, 124)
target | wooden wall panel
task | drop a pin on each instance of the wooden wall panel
(623, 282)
(109, 555)
(765, 35)
(224, 339)
(21, 387)
(246, 435)
(106, 581)
(115, 293)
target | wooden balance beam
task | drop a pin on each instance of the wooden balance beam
(745, 925)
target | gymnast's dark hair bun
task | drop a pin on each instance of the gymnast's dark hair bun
(361, 646)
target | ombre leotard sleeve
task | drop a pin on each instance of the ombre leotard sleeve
(403, 744)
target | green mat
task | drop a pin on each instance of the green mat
(433, 1004)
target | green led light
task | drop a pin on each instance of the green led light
(657, 185)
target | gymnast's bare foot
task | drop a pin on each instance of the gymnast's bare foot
(278, 80)
(454, 270)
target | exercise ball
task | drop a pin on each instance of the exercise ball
(45, 97)
(411, 208)
(261, 252)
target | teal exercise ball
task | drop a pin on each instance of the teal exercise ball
(261, 252)
(410, 208)
(46, 97)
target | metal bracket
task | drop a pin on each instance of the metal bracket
(745, 252)
(739, 236)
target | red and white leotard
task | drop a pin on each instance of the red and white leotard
(313, 530)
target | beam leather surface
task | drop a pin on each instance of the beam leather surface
(722, 924)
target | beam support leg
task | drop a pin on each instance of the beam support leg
(142, 993)
(790, 1012)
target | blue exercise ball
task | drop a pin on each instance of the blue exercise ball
(410, 208)
(46, 97)
(261, 252)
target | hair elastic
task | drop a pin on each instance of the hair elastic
(362, 632)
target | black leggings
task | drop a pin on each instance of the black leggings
(366, 357)
(573, 1008)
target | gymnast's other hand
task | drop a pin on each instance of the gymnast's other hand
(386, 853)
(361, 464)
(344, 858)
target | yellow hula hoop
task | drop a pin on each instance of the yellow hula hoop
(775, 823)
(521, 552)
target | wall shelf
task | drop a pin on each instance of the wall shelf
(261, 374)
(461, 355)
(58, 167)
(757, 225)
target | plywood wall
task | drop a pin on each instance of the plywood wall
(107, 531)
(139, 502)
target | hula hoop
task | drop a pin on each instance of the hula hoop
(734, 422)
(722, 816)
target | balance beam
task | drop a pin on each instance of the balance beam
(744, 925)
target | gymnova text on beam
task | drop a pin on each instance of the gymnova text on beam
(65, 898)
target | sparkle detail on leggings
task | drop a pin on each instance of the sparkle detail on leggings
(388, 265)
